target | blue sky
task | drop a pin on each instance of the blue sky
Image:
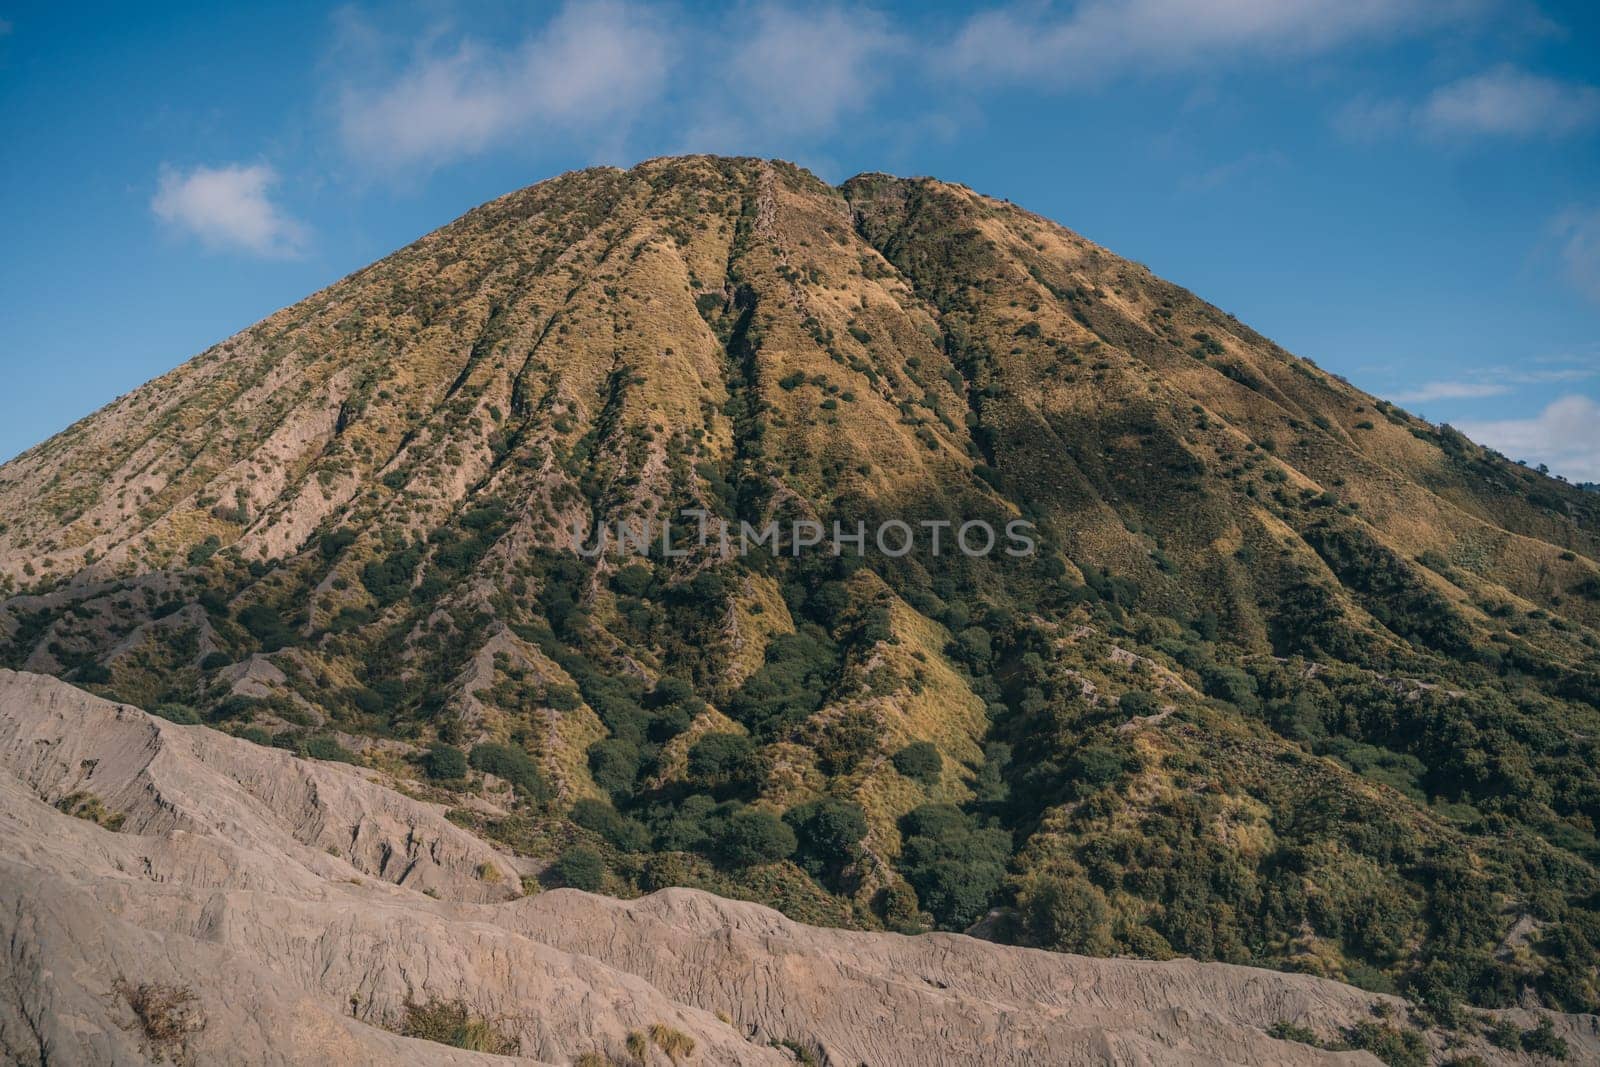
(1403, 190)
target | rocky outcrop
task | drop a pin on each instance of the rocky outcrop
(168, 782)
(303, 906)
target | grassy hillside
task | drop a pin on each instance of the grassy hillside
(1295, 678)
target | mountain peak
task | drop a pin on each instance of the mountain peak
(1266, 624)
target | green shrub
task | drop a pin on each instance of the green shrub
(1234, 686)
(668, 691)
(1069, 916)
(1287, 1031)
(367, 700)
(349, 618)
(828, 833)
(93, 673)
(842, 743)
(204, 551)
(751, 836)
(614, 764)
(266, 626)
(562, 698)
(445, 763)
(389, 579)
(182, 714)
(1136, 703)
(791, 684)
(920, 761)
(326, 748)
(579, 868)
(1096, 766)
(686, 826)
(668, 723)
(1397, 1048)
(336, 541)
(510, 763)
(723, 761)
(1542, 1040)
(974, 647)
(633, 580)
(955, 865)
(617, 829)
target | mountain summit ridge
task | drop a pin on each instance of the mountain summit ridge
(320, 423)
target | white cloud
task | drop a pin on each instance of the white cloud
(1236, 170)
(1451, 391)
(807, 68)
(228, 207)
(592, 67)
(1565, 436)
(1564, 374)
(1578, 233)
(1503, 102)
(1510, 103)
(1368, 119)
(1096, 38)
(789, 75)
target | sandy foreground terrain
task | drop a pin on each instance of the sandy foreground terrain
(303, 905)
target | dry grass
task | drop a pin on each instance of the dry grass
(675, 1043)
(166, 1017)
(759, 615)
(87, 806)
(451, 1022)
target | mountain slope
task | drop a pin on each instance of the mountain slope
(1294, 679)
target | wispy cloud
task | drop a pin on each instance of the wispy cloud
(780, 77)
(1556, 374)
(1565, 436)
(800, 70)
(1367, 118)
(786, 78)
(1504, 102)
(591, 68)
(1577, 232)
(1430, 391)
(1480, 383)
(1097, 38)
(1509, 102)
(1224, 174)
(228, 207)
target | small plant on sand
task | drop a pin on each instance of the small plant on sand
(165, 1016)
(451, 1022)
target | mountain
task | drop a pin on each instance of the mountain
(1293, 679)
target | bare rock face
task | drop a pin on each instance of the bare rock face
(163, 780)
(215, 902)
